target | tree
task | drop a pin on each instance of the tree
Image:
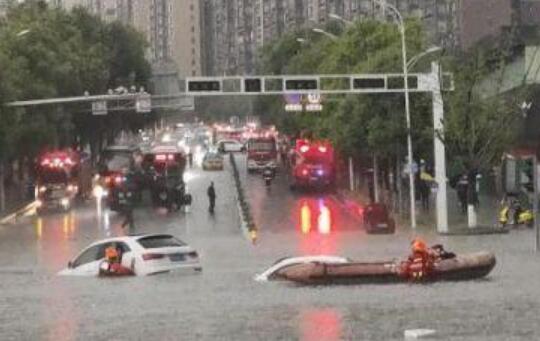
(62, 54)
(480, 128)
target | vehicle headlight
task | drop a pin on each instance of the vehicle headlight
(99, 192)
(42, 189)
(64, 202)
(39, 203)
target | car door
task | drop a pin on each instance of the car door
(87, 263)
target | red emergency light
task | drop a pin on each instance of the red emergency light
(165, 157)
(57, 160)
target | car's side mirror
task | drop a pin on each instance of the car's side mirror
(70, 265)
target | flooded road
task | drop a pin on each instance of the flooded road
(225, 303)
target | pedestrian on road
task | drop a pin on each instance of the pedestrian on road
(128, 218)
(211, 197)
(424, 185)
(462, 187)
(190, 159)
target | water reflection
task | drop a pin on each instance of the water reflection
(320, 324)
(305, 218)
(53, 236)
(316, 224)
(315, 213)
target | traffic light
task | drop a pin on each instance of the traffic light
(368, 83)
(301, 84)
(252, 85)
(204, 86)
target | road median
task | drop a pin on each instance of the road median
(17, 213)
(247, 222)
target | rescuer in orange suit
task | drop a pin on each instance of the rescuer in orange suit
(420, 262)
(112, 265)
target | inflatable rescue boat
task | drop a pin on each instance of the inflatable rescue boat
(462, 267)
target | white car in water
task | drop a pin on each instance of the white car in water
(228, 146)
(270, 273)
(144, 254)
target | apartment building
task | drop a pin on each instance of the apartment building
(171, 27)
(235, 30)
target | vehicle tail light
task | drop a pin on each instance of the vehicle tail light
(118, 180)
(153, 256)
(108, 180)
(161, 157)
(305, 172)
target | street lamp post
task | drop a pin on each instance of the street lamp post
(401, 24)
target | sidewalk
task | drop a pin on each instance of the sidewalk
(15, 198)
(426, 220)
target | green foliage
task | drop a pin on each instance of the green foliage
(361, 124)
(479, 129)
(48, 52)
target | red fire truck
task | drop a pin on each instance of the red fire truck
(261, 153)
(312, 165)
(61, 176)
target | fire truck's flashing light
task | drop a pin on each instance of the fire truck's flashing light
(305, 172)
(165, 157)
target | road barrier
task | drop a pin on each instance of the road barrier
(248, 224)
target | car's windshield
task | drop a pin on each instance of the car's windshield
(53, 176)
(154, 242)
(261, 146)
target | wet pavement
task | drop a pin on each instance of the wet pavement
(224, 303)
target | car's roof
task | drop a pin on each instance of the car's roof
(131, 238)
(121, 148)
(229, 140)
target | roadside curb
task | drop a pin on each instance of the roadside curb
(483, 230)
(21, 211)
(247, 223)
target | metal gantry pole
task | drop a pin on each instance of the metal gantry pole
(439, 150)
(535, 202)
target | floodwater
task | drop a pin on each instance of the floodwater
(225, 303)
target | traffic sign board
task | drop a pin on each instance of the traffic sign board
(143, 103)
(99, 108)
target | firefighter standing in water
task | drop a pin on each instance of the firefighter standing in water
(211, 192)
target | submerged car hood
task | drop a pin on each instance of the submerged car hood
(264, 276)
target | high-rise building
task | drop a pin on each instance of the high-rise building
(237, 29)
(186, 37)
(171, 27)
